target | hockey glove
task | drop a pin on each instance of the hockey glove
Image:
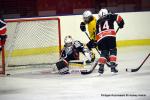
(62, 66)
(121, 24)
(91, 44)
(82, 26)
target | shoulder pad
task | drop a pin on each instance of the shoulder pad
(77, 44)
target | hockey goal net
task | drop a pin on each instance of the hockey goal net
(31, 41)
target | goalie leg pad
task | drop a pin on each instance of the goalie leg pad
(63, 67)
(89, 55)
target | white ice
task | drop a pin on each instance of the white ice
(42, 85)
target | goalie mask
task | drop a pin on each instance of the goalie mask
(68, 41)
(68, 44)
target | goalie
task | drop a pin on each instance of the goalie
(71, 51)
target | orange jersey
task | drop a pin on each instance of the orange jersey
(105, 33)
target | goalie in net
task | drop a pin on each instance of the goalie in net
(70, 52)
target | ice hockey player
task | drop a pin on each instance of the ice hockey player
(90, 21)
(106, 38)
(71, 52)
(3, 29)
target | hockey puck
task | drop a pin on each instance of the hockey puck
(128, 70)
(8, 74)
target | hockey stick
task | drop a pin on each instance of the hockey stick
(84, 72)
(136, 69)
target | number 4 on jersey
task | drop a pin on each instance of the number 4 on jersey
(105, 26)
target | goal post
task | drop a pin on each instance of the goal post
(2, 62)
(31, 41)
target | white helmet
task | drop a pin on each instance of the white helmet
(102, 13)
(68, 41)
(86, 15)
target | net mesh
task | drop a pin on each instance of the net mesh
(32, 42)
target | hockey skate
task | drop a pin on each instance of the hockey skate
(64, 72)
(113, 67)
(101, 68)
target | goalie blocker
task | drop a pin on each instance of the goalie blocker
(63, 66)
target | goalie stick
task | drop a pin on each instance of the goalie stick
(136, 69)
(84, 72)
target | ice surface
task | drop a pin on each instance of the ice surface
(28, 84)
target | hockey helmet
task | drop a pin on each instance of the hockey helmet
(86, 15)
(68, 41)
(102, 13)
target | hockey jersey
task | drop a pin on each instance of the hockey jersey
(72, 52)
(2, 26)
(105, 26)
(3, 36)
(92, 28)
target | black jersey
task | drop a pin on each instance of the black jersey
(105, 26)
(106, 22)
(2, 26)
(72, 52)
